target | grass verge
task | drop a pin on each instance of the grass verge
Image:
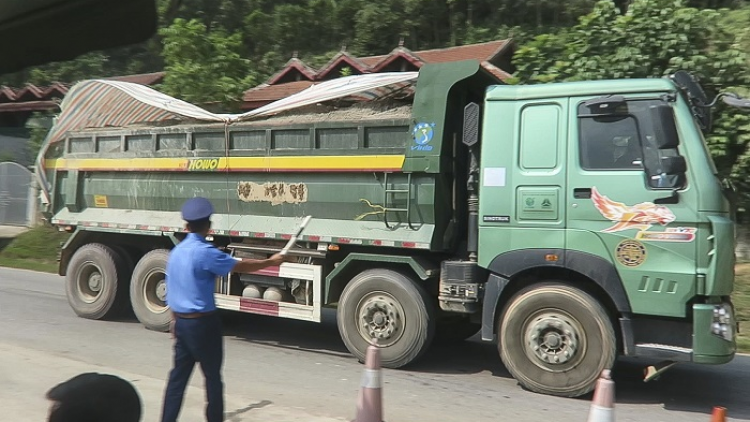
(35, 250)
(741, 300)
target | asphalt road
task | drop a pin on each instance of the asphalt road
(301, 371)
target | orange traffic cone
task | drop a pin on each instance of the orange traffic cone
(719, 414)
(370, 400)
(603, 406)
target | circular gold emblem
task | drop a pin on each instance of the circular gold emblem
(630, 253)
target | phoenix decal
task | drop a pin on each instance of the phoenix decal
(626, 217)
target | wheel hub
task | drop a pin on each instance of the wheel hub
(381, 319)
(155, 291)
(552, 339)
(89, 282)
(161, 290)
(95, 282)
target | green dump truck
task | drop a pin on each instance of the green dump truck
(570, 222)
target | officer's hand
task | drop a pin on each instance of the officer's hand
(278, 259)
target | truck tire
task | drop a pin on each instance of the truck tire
(127, 259)
(148, 291)
(95, 283)
(127, 273)
(556, 339)
(389, 307)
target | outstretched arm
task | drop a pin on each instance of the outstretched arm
(252, 265)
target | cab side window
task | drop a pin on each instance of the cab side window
(608, 143)
(626, 139)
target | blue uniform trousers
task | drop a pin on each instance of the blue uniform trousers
(196, 340)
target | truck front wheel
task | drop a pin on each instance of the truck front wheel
(148, 291)
(386, 308)
(95, 283)
(556, 339)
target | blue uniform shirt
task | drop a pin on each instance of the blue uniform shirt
(192, 269)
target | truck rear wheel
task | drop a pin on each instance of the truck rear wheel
(386, 307)
(148, 291)
(95, 284)
(556, 339)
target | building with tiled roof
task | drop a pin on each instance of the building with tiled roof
(18, 104)
(295, 76)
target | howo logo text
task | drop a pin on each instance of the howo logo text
(199, 164)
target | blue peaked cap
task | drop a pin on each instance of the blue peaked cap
(196, 209)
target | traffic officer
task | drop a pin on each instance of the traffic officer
(192, 269)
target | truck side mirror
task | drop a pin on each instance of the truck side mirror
(673, 165)
(696, 97)
(664, 127)
(670, 175)
(736, 101)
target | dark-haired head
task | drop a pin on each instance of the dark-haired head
(199, 226)
(93, 397)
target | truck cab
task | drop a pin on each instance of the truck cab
(606, 188)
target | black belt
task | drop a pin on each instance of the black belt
(193, 315)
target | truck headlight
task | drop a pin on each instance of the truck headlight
(722, 324)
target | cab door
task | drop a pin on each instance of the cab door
(624, 207)
(522, 202)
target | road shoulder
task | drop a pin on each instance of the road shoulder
(27, 374)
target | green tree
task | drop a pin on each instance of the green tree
(345, 20)
(273, 29)
(204, 66)
(379, 26)
(258, 33)
(652, 39)
(294, 28)
(38, 125)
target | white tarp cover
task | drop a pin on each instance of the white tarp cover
(105, 103)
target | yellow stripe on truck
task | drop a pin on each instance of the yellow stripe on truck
(296, 163)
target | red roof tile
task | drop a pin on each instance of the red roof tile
(38, 98)
(28, 106)
(271, 90)
(342, 57)
(496, 71)
(56, 89)
(293, 64)
(142, 78)
(373, 61)
(32, 93)
(269, 93)
(8, 93)
(483, 51)
(400, 52)
(29, 93)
